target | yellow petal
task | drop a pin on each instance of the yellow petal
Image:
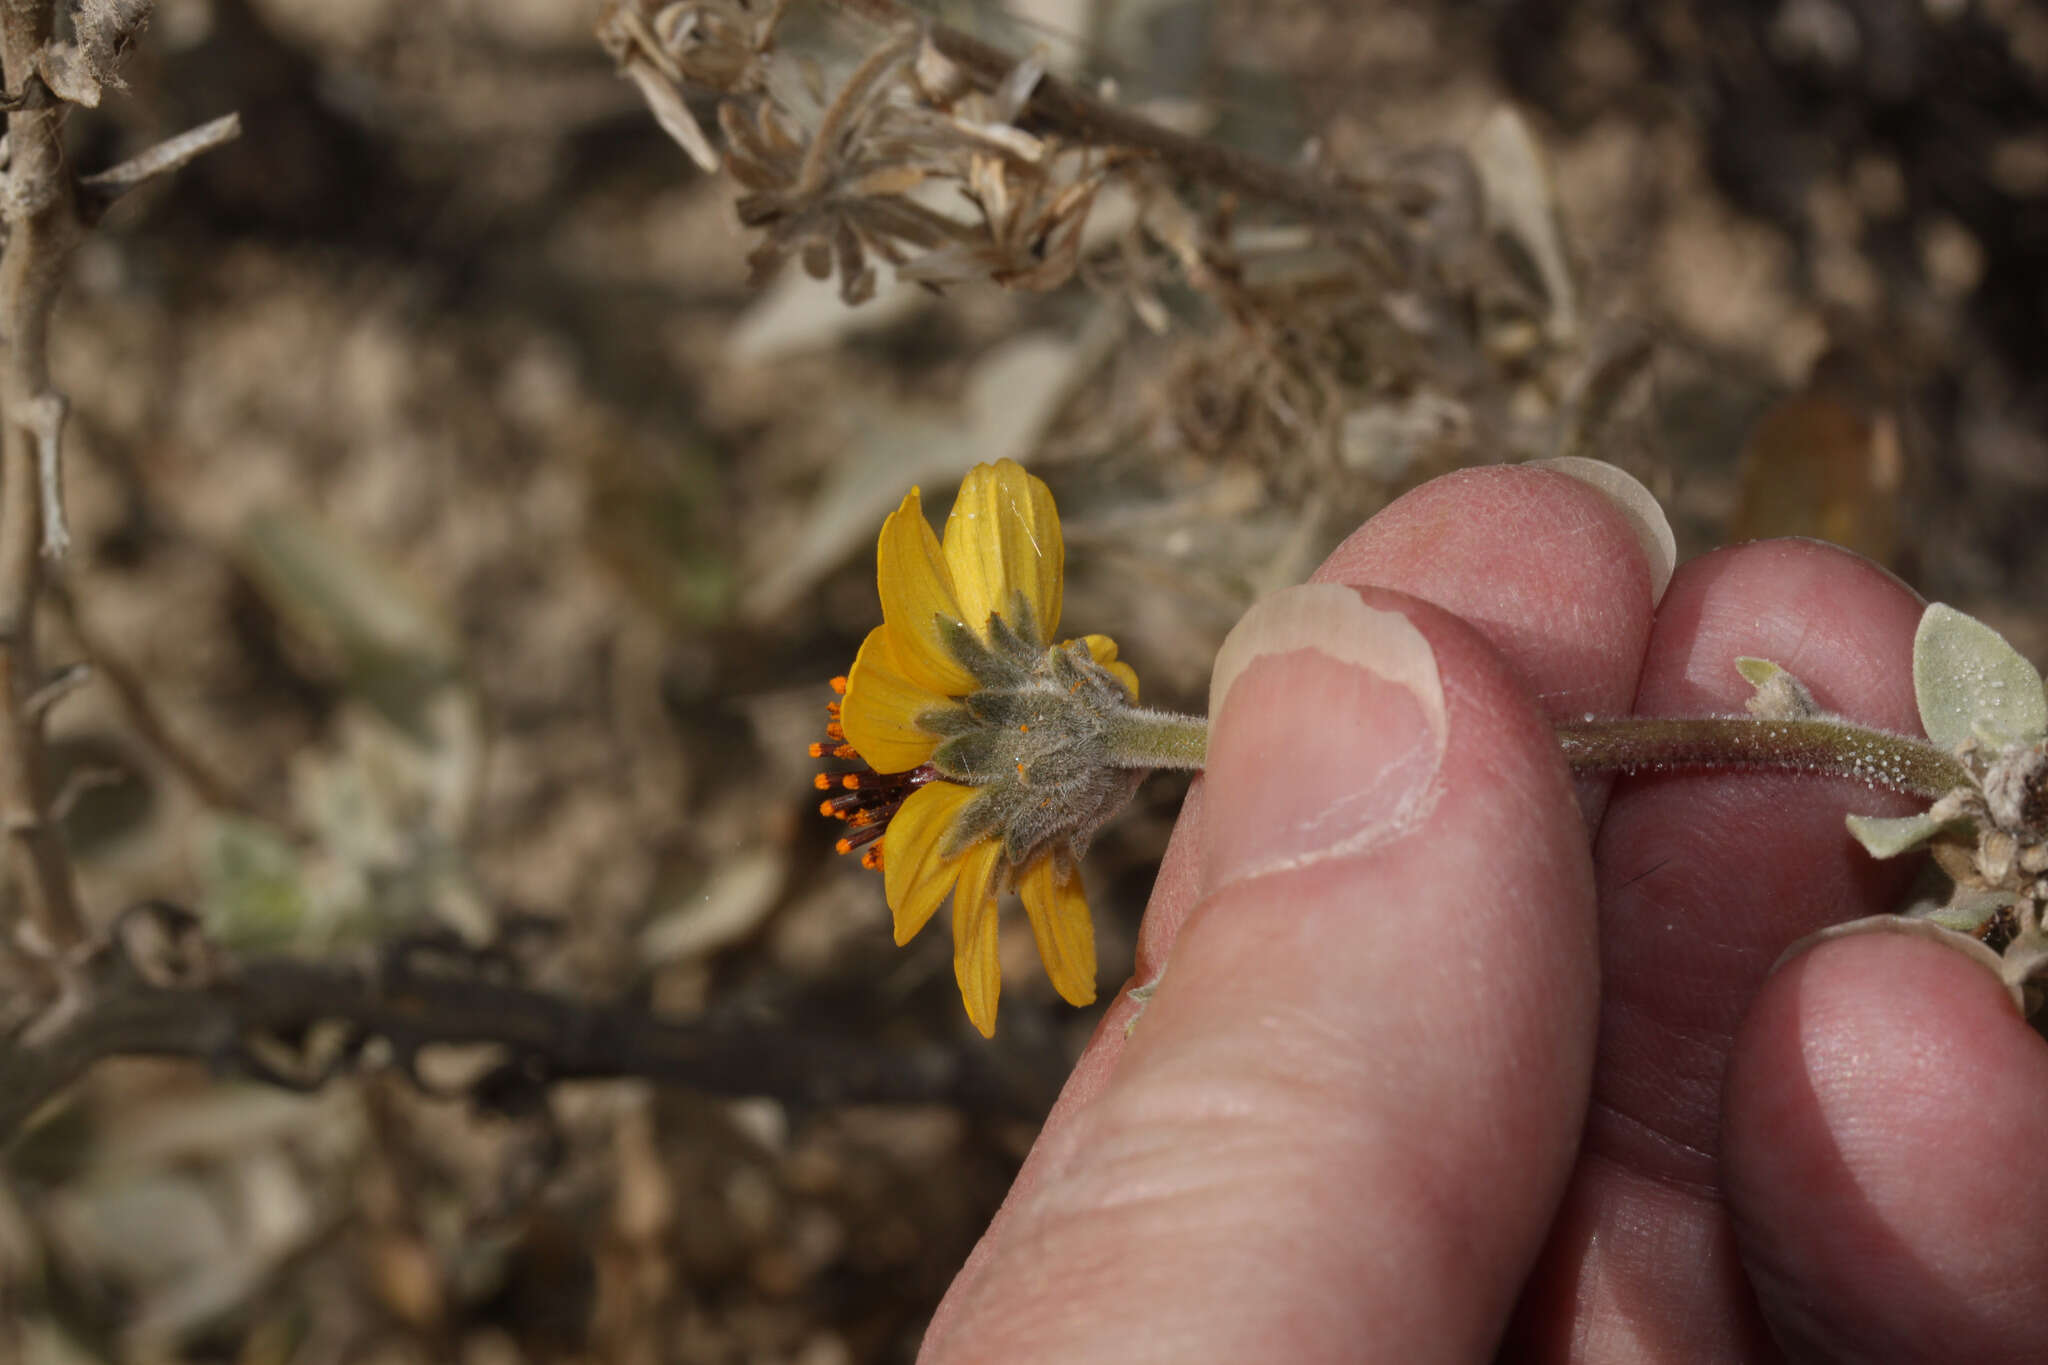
(1002, 538)
(917, 593)
(1102, 649)
(916, 873)
(975, 964)
(882, 706)
(1058, 909)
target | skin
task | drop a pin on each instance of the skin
(1524, 1084)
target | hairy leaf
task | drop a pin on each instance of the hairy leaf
(1969, 681)
(1779, 695)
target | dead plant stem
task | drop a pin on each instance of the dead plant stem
(40, 206)
(252, 1018)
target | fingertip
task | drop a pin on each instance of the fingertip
(1553, 570)
(1882, 1112)
(1637, 505)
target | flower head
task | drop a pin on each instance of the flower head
(989, 754)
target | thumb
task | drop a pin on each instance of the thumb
(1351, 1106)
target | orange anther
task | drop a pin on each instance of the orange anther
(843, 846)
(839, 684)
(823, 782)
(817, 750)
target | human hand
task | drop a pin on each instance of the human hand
(1428, 1079)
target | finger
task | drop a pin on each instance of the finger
(1351, 1106)
(1560, 575)
(1559, 582)
(1705, 879)
(1884, 1110)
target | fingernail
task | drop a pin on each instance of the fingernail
(1327, 733)
(1645, 517)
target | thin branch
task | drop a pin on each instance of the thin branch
(45, 420)
(48, 210)
(56, 688)
(104, 187)
(40, 205)
(238, 1016)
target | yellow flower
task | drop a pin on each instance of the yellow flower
(981, 739)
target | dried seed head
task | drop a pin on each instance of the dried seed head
(2016, 790)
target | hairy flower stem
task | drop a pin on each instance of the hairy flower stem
(1157, 739)
(1823, 747)
(42, 227)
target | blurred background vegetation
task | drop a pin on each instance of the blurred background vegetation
(486, 542)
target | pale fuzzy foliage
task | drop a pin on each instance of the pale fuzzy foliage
(906, 161)
(1427, 318)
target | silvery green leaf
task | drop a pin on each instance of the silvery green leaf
(1757, 671)
(1779, 695)
(1888, 836)
(1969, 681)
(1968, 911)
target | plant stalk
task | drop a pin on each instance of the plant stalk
(1833, 748)
(1158, 739)
(42, 227)
(1633, 744)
